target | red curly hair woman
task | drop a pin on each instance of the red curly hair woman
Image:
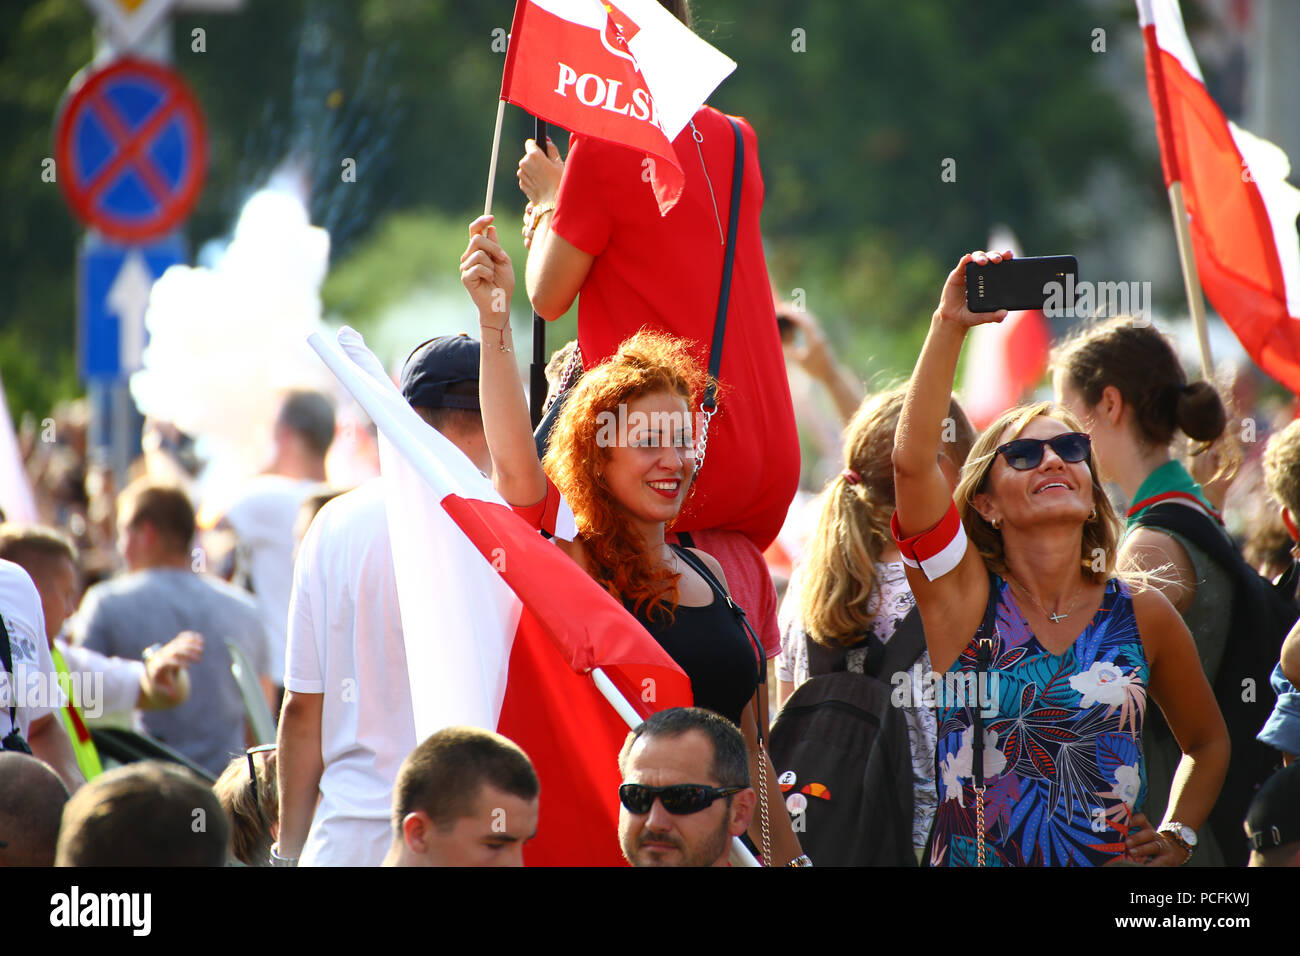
(622, 454)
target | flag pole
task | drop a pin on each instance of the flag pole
(740, 855)
(1191, 278)
(537, 372)
(496, 148)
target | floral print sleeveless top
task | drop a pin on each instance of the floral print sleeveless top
(1063, 767)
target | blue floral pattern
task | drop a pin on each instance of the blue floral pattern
(1063, 767)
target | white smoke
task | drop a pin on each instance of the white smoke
(226, 340)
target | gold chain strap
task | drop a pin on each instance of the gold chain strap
(979, 826)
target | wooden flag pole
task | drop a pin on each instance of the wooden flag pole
(740, 855)
(1191, 278)
(496, 148)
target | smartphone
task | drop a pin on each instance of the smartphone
(1018, 284)
(786, 329)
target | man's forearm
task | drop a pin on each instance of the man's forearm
(50, 743)
(299, 768)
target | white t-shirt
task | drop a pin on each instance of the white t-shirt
(346, 642)
(33, 675)
(110, 686)
(263, 516)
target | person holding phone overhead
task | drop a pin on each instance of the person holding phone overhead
(1039, 757)
(593, 227)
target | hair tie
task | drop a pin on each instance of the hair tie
(851, 476)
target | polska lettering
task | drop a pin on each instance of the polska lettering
(103, 909)
(593, 90)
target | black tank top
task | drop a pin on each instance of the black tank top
(712, 647)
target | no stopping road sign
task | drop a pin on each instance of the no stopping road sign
(131, 149)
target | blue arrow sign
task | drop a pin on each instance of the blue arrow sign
(113, 286)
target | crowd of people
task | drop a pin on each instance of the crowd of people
(963, 658)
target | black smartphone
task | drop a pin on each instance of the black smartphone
(1017, 284)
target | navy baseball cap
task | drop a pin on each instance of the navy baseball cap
(437, 364)
(1274, 816)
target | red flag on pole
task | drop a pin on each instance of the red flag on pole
(503, 630)
(630, 73)
(1241, 211)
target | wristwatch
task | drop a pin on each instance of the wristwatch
(1181, 834)
(280, 861)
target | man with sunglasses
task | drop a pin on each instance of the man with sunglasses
(685, 791)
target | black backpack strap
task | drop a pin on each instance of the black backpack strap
(702, 570)
(7, 659)
(724, 296)
(1198, 528)
(906, 646)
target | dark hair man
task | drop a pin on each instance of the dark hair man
(31, 802)
(144, 814)
(139, 613)
(685, 789)
(97, 684)
(263, 513)
(464, 797)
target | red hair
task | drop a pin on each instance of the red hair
(646, 363)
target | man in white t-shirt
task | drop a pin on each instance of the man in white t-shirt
(347, 722)
(28, 689)
(264, 513)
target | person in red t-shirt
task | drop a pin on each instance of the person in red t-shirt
(635, 269)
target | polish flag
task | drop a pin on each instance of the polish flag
(1004, 360)
(1241, 211)
(629, 72)
(503, 630)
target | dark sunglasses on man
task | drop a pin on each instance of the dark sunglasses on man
(1026, 454)
(678, 799)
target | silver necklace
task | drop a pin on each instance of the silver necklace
(1055, 617)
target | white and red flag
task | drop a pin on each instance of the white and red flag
(503, 631)
(1241, 211)
(628, 71)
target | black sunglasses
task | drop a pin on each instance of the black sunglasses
(1025, 454)
(252, 776)
(680, 798)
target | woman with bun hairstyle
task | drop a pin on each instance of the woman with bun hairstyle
(1124, 382)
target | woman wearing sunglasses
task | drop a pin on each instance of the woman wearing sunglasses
(622, 453)
(1047, 655)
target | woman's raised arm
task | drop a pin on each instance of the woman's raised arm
(952, 600)
(489, 277)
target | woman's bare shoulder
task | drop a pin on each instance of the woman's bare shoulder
(712, 564)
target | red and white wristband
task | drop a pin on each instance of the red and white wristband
(934, 552)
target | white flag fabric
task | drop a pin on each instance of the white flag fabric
(458, 616)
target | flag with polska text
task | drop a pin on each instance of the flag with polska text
(630, 73)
